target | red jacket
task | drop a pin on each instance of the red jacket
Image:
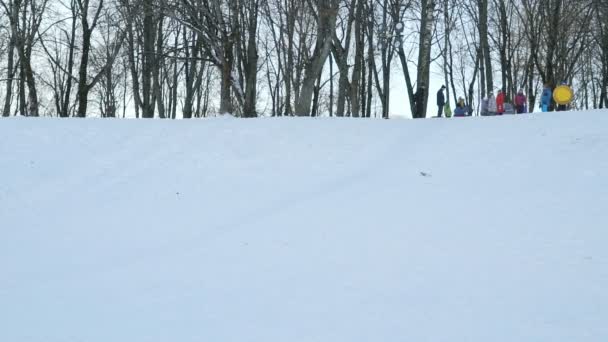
(500, 102)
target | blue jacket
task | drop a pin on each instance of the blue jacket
(546, 97)
(460, 111)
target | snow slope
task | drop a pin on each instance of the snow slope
(275, 230)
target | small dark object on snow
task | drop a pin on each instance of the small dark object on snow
(424, 174)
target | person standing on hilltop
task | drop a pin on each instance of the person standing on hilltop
(520, 102)
(545, 99)
(563, 96)
(492, 104)
(461, 109)
(440, 101)
(500, 103)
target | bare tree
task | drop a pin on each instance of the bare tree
(11, 12)
(424, 56)
(25, 17)
(485, 47)
(84, 86)
(326, 14)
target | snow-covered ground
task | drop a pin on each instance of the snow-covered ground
(285, 230)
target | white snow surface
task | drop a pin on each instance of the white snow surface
(324, 230)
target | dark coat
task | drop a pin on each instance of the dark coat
(440, 98)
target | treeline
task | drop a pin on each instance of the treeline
(190, 58)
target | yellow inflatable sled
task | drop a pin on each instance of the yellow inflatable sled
(563, 95)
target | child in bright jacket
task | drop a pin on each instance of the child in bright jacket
(520, 102)
(500, 103)
(545, 99)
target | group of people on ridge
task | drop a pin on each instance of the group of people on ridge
(499, 105)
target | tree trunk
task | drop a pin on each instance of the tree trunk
(291, 19)
(424, 57)
(358, 66)
(191, 67)
(251, 71)
(226, 69)
(83, 88)
(327, 12)
(157, 89)
(10, 74)
(22, 100)
(485, 46)
(32, 95)
(134, 69)
(65, 106)
(148, 59)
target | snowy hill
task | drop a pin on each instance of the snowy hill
(285, 230)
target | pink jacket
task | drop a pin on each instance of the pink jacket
(520, 99)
